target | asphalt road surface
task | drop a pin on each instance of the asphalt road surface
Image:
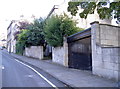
(18, 74)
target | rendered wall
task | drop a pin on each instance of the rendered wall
(34, 51)
(60, 54)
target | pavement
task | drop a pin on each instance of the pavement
(71, 77)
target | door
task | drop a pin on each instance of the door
(79, 52)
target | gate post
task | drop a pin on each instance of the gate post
(65, 45)
(95, 40)
(60, 54)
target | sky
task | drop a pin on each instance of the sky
(12, 9)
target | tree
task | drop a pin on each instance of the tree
(31, 36)
(35, 35)
(23, 35)
(57, 27)
(21, 42)
(104, 9)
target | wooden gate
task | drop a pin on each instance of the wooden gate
(79, 50)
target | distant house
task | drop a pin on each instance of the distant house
(82, 23)
(12, 31)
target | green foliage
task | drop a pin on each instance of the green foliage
(22, 40)
(20, 46)
(22, 37)
(35, 35)
(57, 27)
(31, 36)
(52, 31)
(105, 9)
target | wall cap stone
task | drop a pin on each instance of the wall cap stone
(94, 22)
(103, 24)
(110, 25)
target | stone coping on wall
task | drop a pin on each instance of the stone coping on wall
(110, 25)
(104, 24)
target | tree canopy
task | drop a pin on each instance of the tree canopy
(35, 35)
(21, 42)
(104, 9)
(31, 36)
(57, 27)
(23, 25)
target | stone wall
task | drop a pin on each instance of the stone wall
(34, 51)
(106, 50)
(60, 54)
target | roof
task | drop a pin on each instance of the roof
(10, 25)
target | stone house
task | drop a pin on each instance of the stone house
(11, 41)
(12, 31)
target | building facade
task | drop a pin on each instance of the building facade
(12, 29)
(82, 23)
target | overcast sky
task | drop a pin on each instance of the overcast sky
(12, 9)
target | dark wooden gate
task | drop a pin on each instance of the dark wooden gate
(79, 50)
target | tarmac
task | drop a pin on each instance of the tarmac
(69, 76)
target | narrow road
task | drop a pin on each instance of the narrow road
(18, 74)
